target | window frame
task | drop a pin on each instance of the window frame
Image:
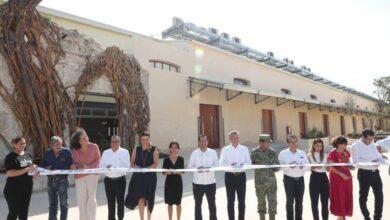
(172, 67)
(241, 81)
(285, 91)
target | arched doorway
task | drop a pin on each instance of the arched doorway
(97, 114)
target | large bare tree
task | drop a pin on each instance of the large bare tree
(382, 91)
(31, 47)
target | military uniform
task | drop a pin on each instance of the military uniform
(265, 181)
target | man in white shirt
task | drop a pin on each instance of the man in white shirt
(115, 183)
(294, 183)
(235, 155)
(204, 181)
(384, 144)
(363, 151)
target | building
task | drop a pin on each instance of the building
(200, 81)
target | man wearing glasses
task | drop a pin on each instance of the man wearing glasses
(115, 183)
(293, 180)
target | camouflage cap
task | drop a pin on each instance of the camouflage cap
(265, 137)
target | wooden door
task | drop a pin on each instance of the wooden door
(99, 130)
(209, 124)
(354, 124)
(267, 125)
(342, 125)
(325, 121)
(302, 124)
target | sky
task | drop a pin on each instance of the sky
(346, 41)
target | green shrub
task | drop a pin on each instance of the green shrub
(320, 135)
(354, 135)
(314, 133)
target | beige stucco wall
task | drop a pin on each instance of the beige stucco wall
(174, 114)
(216, 64)
(224, 66)
(240, 113)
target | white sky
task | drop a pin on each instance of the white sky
(347, 41)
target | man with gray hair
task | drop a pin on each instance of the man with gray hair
(293, 178)
(115, 183)
(57, 158)
(235, 155)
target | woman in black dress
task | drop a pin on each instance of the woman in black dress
(142, 186)
(173, 190)
(18, 188)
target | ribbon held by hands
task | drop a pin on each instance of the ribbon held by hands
(45, 172)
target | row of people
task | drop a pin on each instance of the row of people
(142, 186)
(337, 188)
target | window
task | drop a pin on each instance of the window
(158, 65)
(240, 81)
(286, 91)
(164, 65)
(95, 110)
(313, 97)
(332, 101)
(112, 113)
(174, 69)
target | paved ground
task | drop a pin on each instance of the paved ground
(39, 202)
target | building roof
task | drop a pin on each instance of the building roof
(197, 85)
(189, 31)
(186, 30)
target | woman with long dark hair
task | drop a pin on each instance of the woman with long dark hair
(341, 200)
(142, 186)
(319, 182)
(173, 189)
(18, 187)
(86, 155)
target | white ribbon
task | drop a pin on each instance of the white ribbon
(45, 172)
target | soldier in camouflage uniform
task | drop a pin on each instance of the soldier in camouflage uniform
(265, 180)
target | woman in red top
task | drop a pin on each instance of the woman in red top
(341, 201)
